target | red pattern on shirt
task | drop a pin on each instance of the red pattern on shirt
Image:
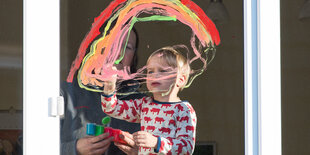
(170, 112)
(155, 110)
(152, 128)
(145, 110)
(164, 130)
(147, 119)
(159, 119)
(165, 105)
(172, 122)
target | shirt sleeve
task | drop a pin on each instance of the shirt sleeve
(184, 142)
(128, 110)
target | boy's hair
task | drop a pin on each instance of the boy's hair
(174, 59)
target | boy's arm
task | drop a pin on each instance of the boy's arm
(109, 85)
(128, 110)
(184, 142)
(120, 109)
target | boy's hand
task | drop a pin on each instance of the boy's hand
(109, 84)
(145, 139)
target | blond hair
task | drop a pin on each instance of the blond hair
(174, 59)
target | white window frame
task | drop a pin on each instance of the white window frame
(262, 76)
(40, 76)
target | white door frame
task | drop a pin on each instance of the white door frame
(40, 76)
(262, 77)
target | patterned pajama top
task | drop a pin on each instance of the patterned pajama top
(174, 123)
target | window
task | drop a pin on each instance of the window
(221, 118)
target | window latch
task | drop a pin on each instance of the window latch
(56, 106)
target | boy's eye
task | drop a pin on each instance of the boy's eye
(163, 71)
(150, 72)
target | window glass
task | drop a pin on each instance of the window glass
(217, 95)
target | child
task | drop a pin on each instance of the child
(168, 124)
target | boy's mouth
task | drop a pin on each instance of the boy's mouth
(154, 84)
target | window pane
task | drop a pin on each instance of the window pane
(217, 95)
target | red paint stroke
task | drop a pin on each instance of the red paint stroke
(210, 26)
(94, 32)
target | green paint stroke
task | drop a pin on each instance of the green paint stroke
(206, 51)
(144, 19)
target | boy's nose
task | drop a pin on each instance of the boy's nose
(157, 75)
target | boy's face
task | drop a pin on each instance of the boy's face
(160, 76)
